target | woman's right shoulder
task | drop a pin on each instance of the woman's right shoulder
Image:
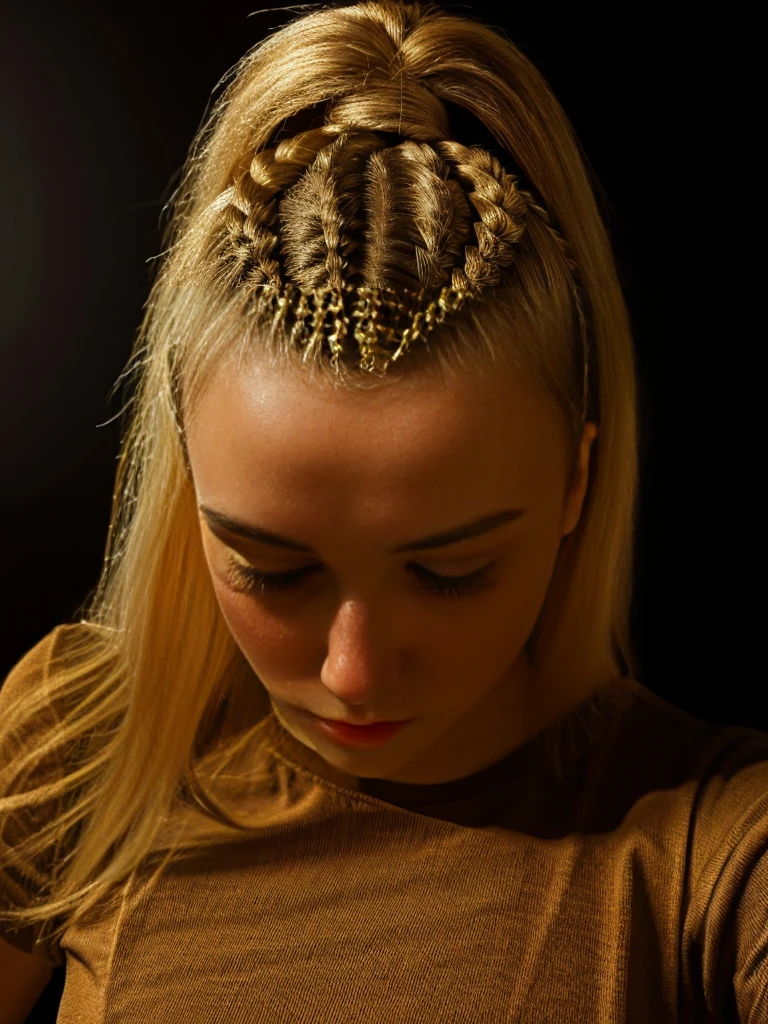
(35, 667)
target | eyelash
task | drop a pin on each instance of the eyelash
(264, 583)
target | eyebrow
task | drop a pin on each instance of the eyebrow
(438, 540)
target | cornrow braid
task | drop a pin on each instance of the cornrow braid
(320, 222)
(242, 250)
(320, 214)
(441, 214)
(501, 208)
(504, 209)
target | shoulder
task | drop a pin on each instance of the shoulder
(32, 705)
(727, 912)
(30, 716)
(35, 668)
(715, 775)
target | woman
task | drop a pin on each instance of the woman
(351, 728)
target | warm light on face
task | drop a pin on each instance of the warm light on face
(223, 522)
(383, 555)
(455, 576)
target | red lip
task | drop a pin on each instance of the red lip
(364, 725)
(374, 735)
(355, 725)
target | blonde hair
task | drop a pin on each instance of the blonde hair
(330, 160)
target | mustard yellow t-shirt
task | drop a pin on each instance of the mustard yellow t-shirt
(634, 889)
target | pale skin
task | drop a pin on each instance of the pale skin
(361, 638)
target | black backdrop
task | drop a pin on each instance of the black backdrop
(99, 104)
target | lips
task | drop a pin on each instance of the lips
(356, 725)
(364, 725)
(374, 735)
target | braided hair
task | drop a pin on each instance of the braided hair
(335, 221)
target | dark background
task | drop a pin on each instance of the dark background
(99, 105)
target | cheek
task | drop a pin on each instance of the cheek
(496, 627)
(272, 648)
(492, 633)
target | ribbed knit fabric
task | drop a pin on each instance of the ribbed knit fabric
(634, 890)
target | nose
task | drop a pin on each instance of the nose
(362, 661)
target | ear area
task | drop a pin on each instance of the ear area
(575, 499)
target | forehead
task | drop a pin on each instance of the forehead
(273, 429)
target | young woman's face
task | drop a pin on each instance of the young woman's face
(362, 632)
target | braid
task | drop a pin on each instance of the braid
(495, 186)
(421, 185)
(243, 249)
(441, 214)
(504, 211)
(381, 244)
(321, 212)
(501, 207)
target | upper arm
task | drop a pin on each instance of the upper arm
(22, 979)
(23, 976)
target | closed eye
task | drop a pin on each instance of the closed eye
(252, 580)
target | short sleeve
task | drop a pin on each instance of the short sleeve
(726, 952)
(20, 883)
(750, 980)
